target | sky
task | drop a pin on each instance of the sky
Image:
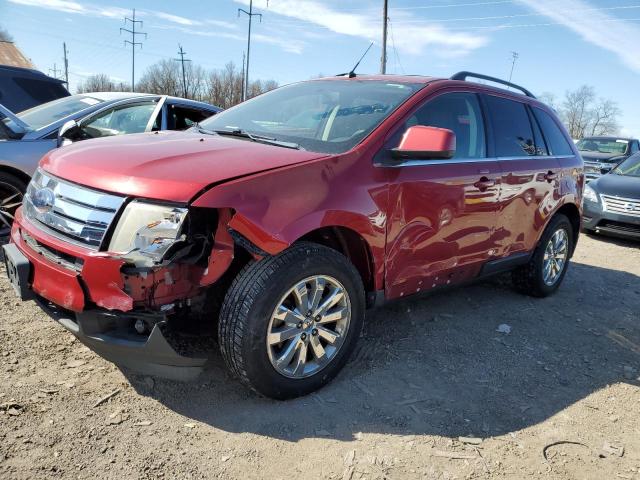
(561, 44)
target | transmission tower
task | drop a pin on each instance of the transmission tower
(133, 43)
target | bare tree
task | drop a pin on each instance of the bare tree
(163, 78)
(5, 36)
(549, 99)
(576, 110)
(604, 118)
(101, 83)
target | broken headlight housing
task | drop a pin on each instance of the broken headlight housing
(148, 229)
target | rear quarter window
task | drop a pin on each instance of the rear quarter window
(557, 142)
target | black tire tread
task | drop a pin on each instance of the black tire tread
(245, 289)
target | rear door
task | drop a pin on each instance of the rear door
(442, 213)
(530, 175)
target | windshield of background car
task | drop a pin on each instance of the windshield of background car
(612, 146)
(630, 167)
(328, 116)
(48, 113)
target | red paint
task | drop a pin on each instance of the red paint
(427, 139)
(424, 225)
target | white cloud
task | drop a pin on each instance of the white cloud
(59, 5)
(176, 19)
(596, 27)
(409, 39)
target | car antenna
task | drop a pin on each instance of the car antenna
(352, 73)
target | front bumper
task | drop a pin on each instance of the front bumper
(594, 218)
(90, 302)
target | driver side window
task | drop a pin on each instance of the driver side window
(120, 120)
(460, 113)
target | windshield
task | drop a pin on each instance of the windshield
(630, 167)
(328, 116)
(603, 145)
(48, 113)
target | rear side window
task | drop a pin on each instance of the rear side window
(460, 113)
(512, 130)
(556, 141)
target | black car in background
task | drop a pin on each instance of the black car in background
(23, 88)
(612, 202)
(601, 154)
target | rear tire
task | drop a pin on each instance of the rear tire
(12, 190)
(542, 276)
(249, 328)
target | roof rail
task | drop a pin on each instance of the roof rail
(464, 75)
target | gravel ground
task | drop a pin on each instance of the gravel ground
(556, 397)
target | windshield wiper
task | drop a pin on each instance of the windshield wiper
(251, 136)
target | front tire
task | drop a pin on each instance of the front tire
(547, 267)
(289, 322)
(12, 191)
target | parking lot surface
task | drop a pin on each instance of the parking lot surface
(477, 382)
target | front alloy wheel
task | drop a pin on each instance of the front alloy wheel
(308, 327)
(290, 321)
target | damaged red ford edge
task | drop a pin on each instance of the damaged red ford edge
(275, 224)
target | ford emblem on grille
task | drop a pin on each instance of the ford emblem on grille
(43, 199)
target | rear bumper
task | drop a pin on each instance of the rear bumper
(595, 219)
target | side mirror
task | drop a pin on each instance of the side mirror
(426, 143)
(66, 132)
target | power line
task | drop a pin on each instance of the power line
(133, 43)
(250, 14)
(182, 53)
(395, 50)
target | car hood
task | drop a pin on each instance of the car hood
(600, 157)
(617, 185)
(172, 166)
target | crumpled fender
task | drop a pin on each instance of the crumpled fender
(275, 208)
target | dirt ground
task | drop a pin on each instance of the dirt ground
(563, 383)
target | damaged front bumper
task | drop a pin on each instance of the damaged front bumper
(88, 293)
(112, 336)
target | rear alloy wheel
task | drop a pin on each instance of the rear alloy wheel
(545, 271)
(11, 193)
(290, 321)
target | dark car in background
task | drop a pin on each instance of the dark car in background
(601, 154)
(25, 137)
(24, 88)
(612, 202)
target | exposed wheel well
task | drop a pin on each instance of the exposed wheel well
(352, 245)
(571, 211)
(16, 173)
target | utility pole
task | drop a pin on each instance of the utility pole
(250, 14)
(66, 64)
(182, 53)
(133, 43)
(385, 22)
(55, 71)
(515, 56)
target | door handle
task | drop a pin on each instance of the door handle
(550, 176)
(484, 183)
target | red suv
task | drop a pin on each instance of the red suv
(280, 221)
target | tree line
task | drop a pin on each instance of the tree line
(222, 87)
(584, 113)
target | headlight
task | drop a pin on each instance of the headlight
(590, 194)
(148, 229)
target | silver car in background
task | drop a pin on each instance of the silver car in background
(25, 137)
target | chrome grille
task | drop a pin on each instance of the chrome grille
(621, 206)
(74, 213)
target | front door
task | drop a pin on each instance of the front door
(442, 213)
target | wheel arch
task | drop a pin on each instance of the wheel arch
(572, 212)
(349, 243)
(16, 172)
